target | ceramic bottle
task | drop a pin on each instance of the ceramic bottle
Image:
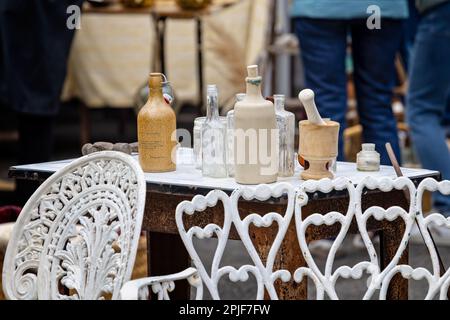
(286, 127)
(214, 138)
(255, 135)
(156, 125)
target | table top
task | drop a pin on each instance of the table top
(186, 177)
(166, 9)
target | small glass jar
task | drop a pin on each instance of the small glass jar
(198, 125)
(368, 159)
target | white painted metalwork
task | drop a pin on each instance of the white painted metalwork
(438, 285)
(77, 236)
(297, 199)
(263, 272)
(325, 283)
(161, 286)
(378, 280)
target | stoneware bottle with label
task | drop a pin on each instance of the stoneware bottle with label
(156, 125)
(255, 134)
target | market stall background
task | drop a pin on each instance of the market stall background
(112, 55)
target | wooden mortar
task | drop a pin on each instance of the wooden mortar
(318, 145)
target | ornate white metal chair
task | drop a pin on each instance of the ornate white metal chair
(325, 283)
(77, 236)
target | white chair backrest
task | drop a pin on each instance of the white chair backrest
(77, 236)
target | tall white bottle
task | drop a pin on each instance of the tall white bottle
(256, 135)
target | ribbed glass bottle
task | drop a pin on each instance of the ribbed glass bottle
(214, 141)
(286, 127)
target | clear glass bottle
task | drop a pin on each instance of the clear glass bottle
(198, 125)
(214, 141)
(230, 137)
(197, 144)
(286, 127)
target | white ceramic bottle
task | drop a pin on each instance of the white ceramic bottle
(255, 135)
(286, 127)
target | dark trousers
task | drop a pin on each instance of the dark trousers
(34, 48)
(35, 145)
(323, 45)
(428, 107)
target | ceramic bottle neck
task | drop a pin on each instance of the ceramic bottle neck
(155, 87)
(254, 88)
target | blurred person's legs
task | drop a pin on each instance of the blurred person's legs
(323, 46)
(409, 33)
(428, 96)
(447, 119)
(35, 145)
(374, 69)
(35, 43)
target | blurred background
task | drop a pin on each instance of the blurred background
(118, 46)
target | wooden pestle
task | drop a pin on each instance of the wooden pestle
(307, 98)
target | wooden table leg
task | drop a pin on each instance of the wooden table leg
(162, 44)
(85, 125)
(159, 24)
(200, 61)
(166, 255)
